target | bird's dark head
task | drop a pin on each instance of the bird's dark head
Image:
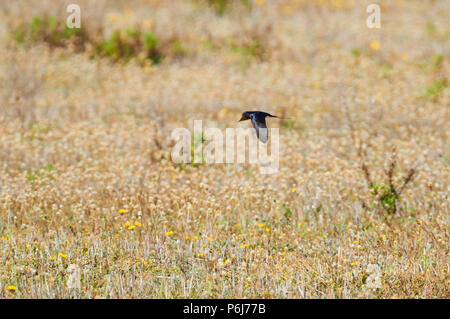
(245, 116)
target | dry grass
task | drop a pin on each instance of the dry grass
(85, 142)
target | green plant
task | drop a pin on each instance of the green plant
(437, 60)
(434, 89)
(120, 45)
(178, 48)
(430, 28)
(387, 194)
(249, 51)
(253, 49)
(221, 6)
(111, 46)
(388, 197)
(288, 124)
(32, 175)
(287, 213)
(355, 52)
(36, 27)
(50, 30)
(197, 142)
(129, 44)
(151, 47)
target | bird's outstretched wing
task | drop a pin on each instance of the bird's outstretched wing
(259, 123)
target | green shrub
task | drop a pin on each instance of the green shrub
(121, 45)
(47, 29)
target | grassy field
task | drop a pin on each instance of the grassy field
(91, 205)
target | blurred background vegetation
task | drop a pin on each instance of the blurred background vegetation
(359, 207)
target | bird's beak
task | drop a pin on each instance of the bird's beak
(242, 118)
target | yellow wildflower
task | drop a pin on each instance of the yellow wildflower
(375, 45)
(12, 288)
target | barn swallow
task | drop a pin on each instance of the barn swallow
(259, 123)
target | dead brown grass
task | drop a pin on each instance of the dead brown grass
(86, 180)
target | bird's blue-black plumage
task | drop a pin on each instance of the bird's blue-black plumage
(259, 123)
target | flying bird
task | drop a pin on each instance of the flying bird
(259, 123)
